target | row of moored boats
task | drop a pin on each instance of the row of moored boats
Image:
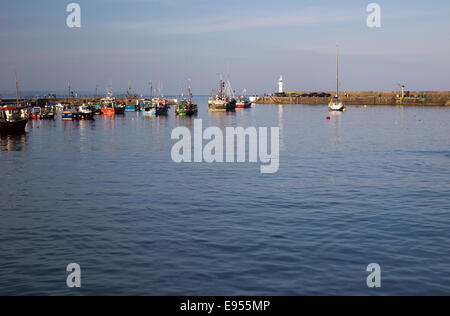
(15, 117)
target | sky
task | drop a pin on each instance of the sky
(254, 41)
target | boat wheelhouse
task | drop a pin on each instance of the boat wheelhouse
(186, 107)
(13, 119)
(84, 113)
(224, 101)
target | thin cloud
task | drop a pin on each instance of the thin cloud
(265, 21)
(235, 22)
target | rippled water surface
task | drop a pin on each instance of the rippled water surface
(370, 185)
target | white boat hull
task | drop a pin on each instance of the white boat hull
(336, 107)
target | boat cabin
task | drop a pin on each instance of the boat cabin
(12, 113)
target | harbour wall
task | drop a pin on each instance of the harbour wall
(429, 98)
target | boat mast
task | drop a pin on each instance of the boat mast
(222, 86)
(337, 71)
(151, 90)
(190, 95)
(17, 89)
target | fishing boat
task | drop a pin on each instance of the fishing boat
(147, 107)
(119, 109)
(160, 106)
(84, 113)
(13, 119)
(97, 109)
(108, 105)
(244, 102)
(36, 113)
(336, 103)
(186, 107)
(156, 107)
(48, 113)
(130, 108)
(224, 101)
(67, 115)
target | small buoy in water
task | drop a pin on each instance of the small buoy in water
(365, 106)
(328, 118)
(344, 110)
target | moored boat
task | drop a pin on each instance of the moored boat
(186, 107)
(119, 109)
(13, 119)
(336, 103)
(223, 102)
(146, 107)
(156, 107)
(84, 113)
(36, 113)
(244, 102)
(48, 113)
(108, 106)
(160, 106)
(67, 115)
(130, 108)
(97, 109)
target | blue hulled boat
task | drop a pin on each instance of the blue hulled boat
(130, 108)
(67, 115)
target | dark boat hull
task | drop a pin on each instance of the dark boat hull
(119, 111)
(44, 117)
(13, 127)
(83, 116)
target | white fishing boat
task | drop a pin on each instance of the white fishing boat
(336, 103)
(224, 101)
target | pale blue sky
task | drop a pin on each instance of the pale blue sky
(257, 40)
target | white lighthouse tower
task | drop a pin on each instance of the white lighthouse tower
(281, 85)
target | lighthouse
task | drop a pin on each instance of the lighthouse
(281, 85)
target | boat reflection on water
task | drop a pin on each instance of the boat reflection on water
(86, 125)
(13, 142)
(336, 117)
(42, 124)
(185, 121)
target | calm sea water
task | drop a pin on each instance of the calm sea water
(369, 186)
